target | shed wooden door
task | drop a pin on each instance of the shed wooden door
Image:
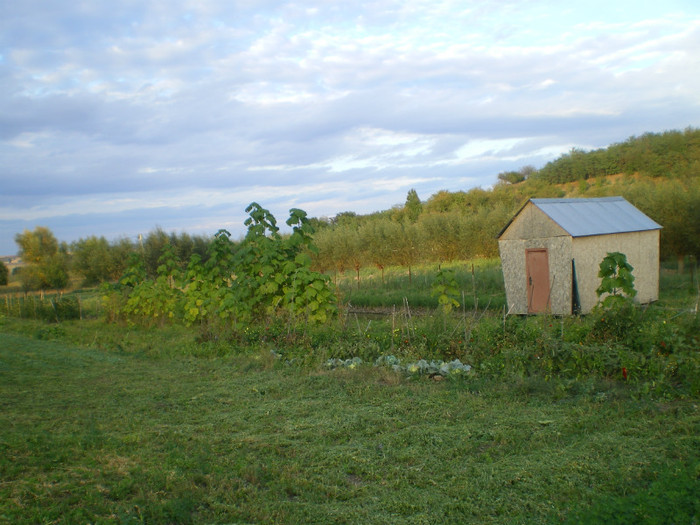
(537, 270)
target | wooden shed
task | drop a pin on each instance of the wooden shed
(552, 248)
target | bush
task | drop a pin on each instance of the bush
(616, 321)
(4, 274)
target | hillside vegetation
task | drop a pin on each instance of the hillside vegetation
(658, 173)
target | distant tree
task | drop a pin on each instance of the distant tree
(153, 246)
(319, 223)
(464, 224)
(323, 259)
(357, 251)
(345, 218)
(46, 262)
(528, 171)
(376, 237)
(55, 271)
(413, 206)
(120, 252)
(443, 201)
(98, 261)
(439, 235)
(348, 249)
(405, 247)
(186, 245)
(34, 246)
(4, 274)
(674, 204)
(510, 177)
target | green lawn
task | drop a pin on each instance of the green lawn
(90, 435)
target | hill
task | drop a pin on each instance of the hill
(658, 173)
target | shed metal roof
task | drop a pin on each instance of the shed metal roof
(598, 216)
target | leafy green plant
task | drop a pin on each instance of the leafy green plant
(420, 367)
(616, 279)
(160, 299)
(273, 273)
(446, 290)
(210, 296)
(265, 276)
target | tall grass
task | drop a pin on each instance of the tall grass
(480, 281)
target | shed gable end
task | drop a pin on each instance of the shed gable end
(532, 223)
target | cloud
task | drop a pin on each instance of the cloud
(189, 110)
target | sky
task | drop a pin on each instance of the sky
(120, 117)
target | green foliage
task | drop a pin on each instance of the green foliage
(209, 294)
(35, 246)
(446, 290)
(454, 368)
(614, 317)
(671, 153)
(388, 287)
(157, 300)
(4, 274)
(266, 275)
(46, 264)
(183, 245)
(52, 309)
(135, 271)
(273, 273)
(60, 308)
(511, 177)
(413, 206)
(675, 204)
(658, 173)
(616, 279)
(98, 261)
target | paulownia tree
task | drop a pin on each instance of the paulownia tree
(617, 281)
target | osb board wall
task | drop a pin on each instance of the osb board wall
(559, 253)
(642, 252)
(532, 223)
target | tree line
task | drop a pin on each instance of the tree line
(463, 225)
(48, 263)
(667, 154)
(658, 173)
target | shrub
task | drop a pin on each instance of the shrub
(4, 274)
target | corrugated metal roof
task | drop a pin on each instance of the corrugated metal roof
(599, 216)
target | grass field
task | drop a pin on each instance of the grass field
(128, 435)
(124, 423)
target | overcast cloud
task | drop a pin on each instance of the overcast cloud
(117, 117)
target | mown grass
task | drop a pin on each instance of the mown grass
(121, 423)
(133, 433)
